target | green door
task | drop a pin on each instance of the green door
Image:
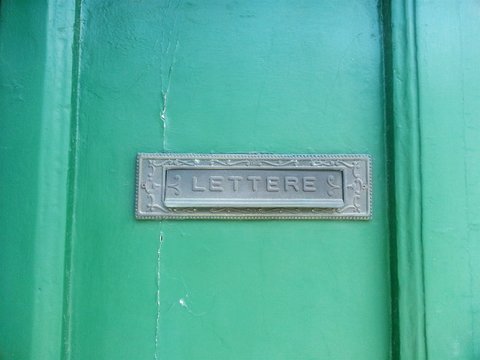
(88, 84)
(213, 77)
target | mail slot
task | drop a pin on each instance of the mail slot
(258, 188)
(253, 186)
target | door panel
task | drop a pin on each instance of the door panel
(230, 78)
(175, 76)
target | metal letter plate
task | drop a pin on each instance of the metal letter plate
(234, 186)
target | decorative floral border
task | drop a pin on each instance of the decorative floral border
(151, 173)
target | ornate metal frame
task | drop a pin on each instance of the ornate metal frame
(150, 185)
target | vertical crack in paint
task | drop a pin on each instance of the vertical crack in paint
(158, 279)
(167, 62)
(169, 36)
(163, 114)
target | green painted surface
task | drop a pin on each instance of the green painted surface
(22, 77)
(35, 83)
(449, 84)
(251, 77)
(85, 85)
(405, 185)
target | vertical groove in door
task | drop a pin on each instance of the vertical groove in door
(71, 181)
(52, 185)
(385, 12)
(405, 183)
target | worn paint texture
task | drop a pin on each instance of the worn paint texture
(212, 77)
(449, 89)
(85, 85)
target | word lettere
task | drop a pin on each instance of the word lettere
(254, 183)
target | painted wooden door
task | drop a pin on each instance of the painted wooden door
(88, 84)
